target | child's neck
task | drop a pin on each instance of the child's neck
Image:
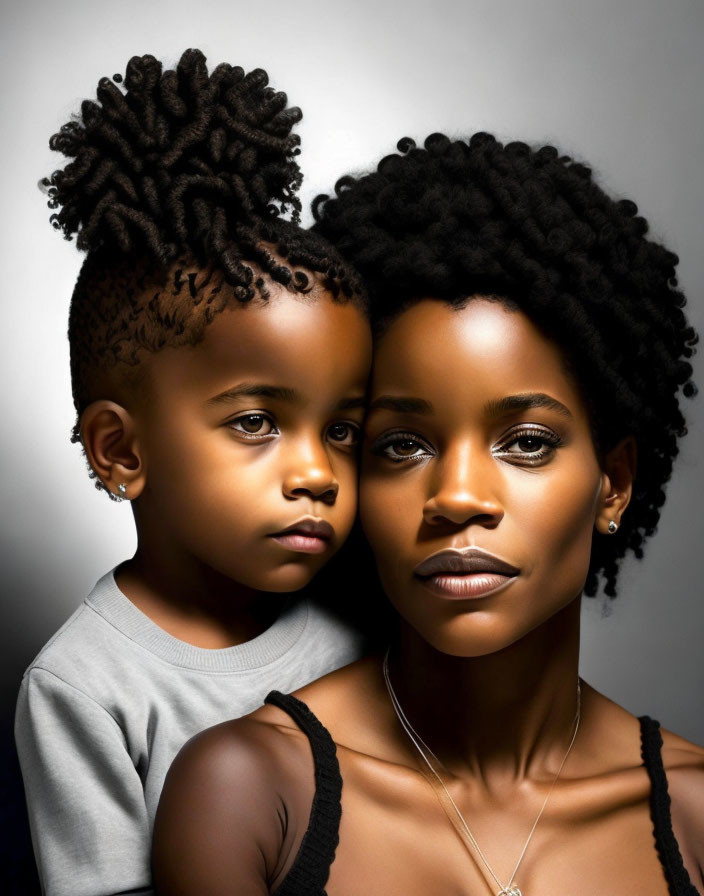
(194, 603)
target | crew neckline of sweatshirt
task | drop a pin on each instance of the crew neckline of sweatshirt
(116, 608)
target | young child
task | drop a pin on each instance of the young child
(219, 360)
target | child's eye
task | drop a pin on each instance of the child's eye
(346, 434)
(254, 425)
(528, 446)
(401, 446)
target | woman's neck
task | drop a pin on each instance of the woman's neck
(507, 714)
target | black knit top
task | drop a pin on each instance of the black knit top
(311, 867)
(676, 874)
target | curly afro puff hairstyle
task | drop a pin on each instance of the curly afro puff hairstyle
(176, 188)
(461, 218)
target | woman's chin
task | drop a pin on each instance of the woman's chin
(467, 638)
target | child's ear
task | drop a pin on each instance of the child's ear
(618, 473)
(109, 436)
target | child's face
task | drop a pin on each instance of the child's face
(252, 431)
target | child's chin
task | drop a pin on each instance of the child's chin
(291, 577)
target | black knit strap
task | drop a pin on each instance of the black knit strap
(678, 879)
(311, 867)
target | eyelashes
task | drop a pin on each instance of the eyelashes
(260, 426)
(522, 445)
(401, 447)
(254, 426)
(527, 445)
(344, 433)
(532, 445)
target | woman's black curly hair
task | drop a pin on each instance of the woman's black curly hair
(461, 218)
(175, 188)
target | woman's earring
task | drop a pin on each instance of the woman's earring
(122, 489)
(613, 527)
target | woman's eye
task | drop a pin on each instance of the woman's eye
(254, 425)
(400, 447)
(529, 444)
(529, 447)
(345, 434)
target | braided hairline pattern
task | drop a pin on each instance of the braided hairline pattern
(459, 218)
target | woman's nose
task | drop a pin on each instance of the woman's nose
(465, 490)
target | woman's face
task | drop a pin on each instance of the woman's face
(478, 445)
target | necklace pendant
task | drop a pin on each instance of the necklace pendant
(509, 891)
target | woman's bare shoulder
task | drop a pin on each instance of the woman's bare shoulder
(249, 783)
(677, 752)
(258, 744)
(347, 700)
(348, 683)
(267, 743)
(684, 766)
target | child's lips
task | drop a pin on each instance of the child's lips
(307, 536)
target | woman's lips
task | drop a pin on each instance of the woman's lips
(307, 536)
(460, 575)
(461, 587)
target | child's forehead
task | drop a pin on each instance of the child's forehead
(287, 327)
(310, 343)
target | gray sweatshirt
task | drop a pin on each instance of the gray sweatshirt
(107, 704)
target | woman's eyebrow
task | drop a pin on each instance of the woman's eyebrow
(495, 408)
(255, 390)
(524, 402)
(403, 405)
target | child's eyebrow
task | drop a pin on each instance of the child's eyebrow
(348, 403)
(401, 405)
(255, 390)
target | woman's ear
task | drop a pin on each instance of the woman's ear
(618, 473)
(109, 436)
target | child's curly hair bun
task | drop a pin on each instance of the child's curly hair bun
(174, 159)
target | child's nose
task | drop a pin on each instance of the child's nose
(312, 476)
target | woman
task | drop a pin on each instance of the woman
(523, 420)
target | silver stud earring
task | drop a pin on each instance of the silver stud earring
(613, 527)
(122, 489)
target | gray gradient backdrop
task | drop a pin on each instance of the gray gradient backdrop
(617, 82)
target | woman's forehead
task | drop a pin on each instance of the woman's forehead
(481, 351)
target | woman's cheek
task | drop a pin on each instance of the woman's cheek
(390, 522)
(378, 512)
(345, 509)
(562, 533)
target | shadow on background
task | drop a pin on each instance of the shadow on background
(19, 874)
(24, 633)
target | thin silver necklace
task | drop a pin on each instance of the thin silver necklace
(424, 750)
